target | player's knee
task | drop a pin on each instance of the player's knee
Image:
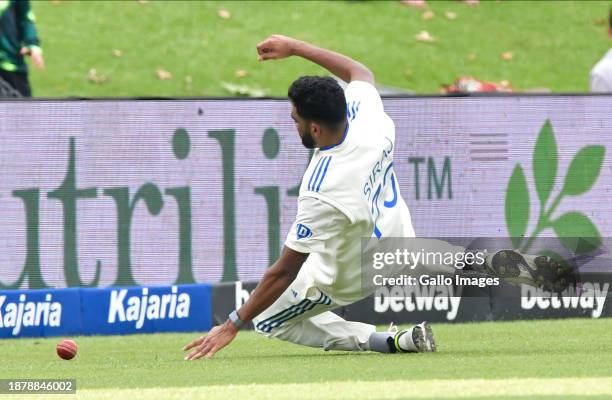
(267, 329)
(262, 332)
(262, 327)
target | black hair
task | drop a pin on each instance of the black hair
(320, 99)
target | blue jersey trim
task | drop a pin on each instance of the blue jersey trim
(319, 168)
(324, 172)
(313, 173)
(352, 109)
(340, 142)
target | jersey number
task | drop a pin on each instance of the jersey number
(376, 209)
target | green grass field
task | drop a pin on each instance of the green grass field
(526, 360)
(554, 44)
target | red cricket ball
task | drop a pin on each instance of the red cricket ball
(66, 349)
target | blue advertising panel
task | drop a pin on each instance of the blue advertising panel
(109, 311)
(35, 313)
(123, 310)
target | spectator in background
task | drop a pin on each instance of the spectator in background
(601, 74)
(18, 38)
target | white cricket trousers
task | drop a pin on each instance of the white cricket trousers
(302, 315)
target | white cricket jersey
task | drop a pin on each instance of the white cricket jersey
(349, 192)
(601, 74)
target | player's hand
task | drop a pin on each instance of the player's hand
(206, 346)
(275, 47)
(36, 55)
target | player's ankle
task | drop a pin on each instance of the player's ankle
(381, 342)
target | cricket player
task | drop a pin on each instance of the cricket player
(349, 191)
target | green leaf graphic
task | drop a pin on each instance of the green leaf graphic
(584, 170)
(517, 206)
(577, 233)
(545, 162)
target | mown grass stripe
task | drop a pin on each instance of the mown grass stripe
(347, 390)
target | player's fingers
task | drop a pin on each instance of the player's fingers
(194, 343)
(200, 352)
(202, 348)
(212, 352)
(265, 50)
(193, 354)
(262, 46)
(267, 56)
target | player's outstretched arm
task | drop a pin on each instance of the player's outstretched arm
(274, 282)
(277, 47)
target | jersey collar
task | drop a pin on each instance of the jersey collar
(340, 142)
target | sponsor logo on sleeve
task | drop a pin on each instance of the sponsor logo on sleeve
(303, 232)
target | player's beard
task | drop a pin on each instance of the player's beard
(307, 140)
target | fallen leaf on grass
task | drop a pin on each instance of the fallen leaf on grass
(424, 37)
(472, 56)
(427, 15)
(224, 14)
(94, 77)
(163, 74)
(117, 53)
(240, 73)
(450, 15)
(243, 90)
(599, 22)
(507, 55)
